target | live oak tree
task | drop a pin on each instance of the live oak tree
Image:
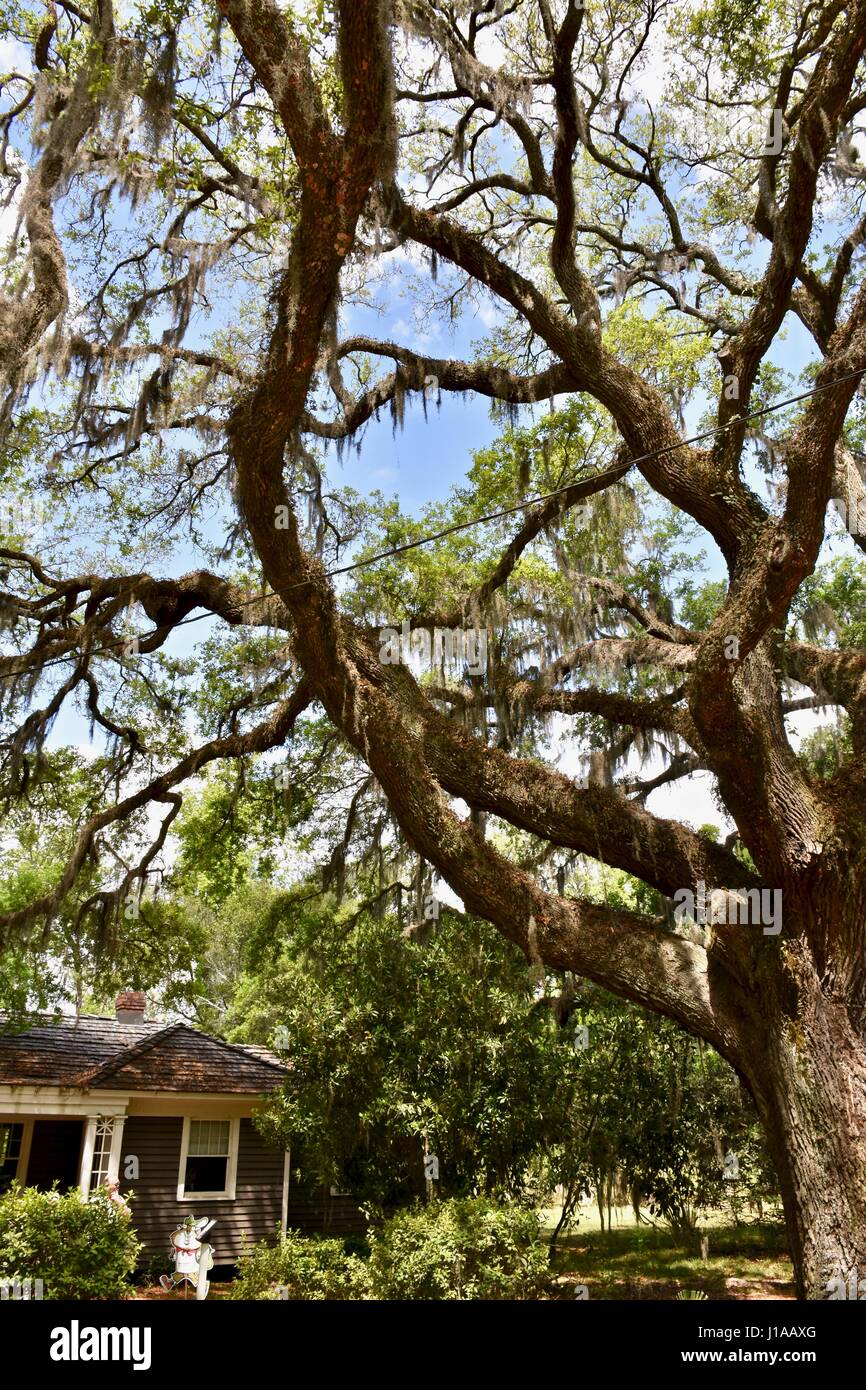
(645, 255)
(155, 943)
(441, 1037)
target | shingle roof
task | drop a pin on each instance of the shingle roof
(100, 1053)
(55, 1051)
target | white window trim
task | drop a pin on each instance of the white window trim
(24, 1151)
(116, 1149)
(231, 1166)
(85, 1172)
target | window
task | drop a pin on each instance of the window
(101, 1152)
(209, 1152)
(10, 1152)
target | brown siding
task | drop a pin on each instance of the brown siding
(253, 1215)
(314, 1212)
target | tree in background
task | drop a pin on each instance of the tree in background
(640, 259)
(400, 1046)
(436, 1038)
(76, 959)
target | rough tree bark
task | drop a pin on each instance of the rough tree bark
(789, 1010)
(791, 1015)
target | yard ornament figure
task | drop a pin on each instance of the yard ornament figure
(192, 1259)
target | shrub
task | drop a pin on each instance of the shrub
(301, 1267)
(79, 1248)
(463, 1248)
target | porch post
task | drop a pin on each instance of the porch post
(87, 1154)
(284, 1217)
(116, 1152)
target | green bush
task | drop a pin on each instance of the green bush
(464, 1248)
(301, 1267)
(467, 1248)
(79, 1248)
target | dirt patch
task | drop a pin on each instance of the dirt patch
(152, 1293)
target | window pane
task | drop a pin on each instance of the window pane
(209, 1138)
(205, 1174)
(10, 1151)
(101, 1152)
(10, 1142)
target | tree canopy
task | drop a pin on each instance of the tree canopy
(201, 201)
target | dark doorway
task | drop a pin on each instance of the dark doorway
(55, 1153)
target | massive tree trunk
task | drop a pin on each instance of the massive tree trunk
(775, 1006)
(788, 1010)
(805, 1060)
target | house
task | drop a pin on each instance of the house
(166, 1110)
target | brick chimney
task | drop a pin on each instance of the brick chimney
(129, 1006)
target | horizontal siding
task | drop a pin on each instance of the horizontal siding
(254, 1214)
(156, 1212)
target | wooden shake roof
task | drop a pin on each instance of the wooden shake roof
(90, 1053)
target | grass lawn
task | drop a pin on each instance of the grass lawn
(645, 1262)
(629, 1262)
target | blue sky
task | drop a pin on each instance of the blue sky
(423, 459)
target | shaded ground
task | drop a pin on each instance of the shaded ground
(642, 1262)
(638, 1262)
(153, 1293)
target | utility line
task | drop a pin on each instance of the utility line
(617, 471)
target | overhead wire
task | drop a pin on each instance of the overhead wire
(616, 471)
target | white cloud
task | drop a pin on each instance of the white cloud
(14, 55)
(412, 335)
(490, 313)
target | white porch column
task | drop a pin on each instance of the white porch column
(87, 1154)
(284, 1215)
(116, 1153)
